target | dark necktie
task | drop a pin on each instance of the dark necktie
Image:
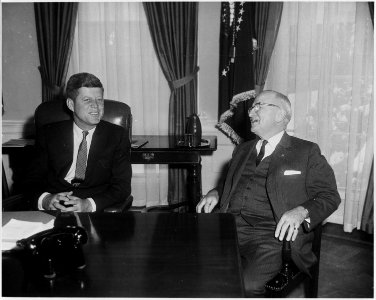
(81, 161)
(261, 153)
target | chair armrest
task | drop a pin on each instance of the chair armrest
(165, 208)
(17, 202)
(120, 207)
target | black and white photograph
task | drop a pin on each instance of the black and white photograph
(187, 149)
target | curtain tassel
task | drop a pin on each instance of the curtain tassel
(175, 84)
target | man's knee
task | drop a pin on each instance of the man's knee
(257, 272)
(254, 289)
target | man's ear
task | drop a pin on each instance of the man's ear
(70, 104)
(280, 115)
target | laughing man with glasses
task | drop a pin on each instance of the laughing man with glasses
(277, 187)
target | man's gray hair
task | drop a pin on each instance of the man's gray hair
(285, 103)
(286, 106)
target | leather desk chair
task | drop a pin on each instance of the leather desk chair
(169, 208)
(114, 112)
(290, 276)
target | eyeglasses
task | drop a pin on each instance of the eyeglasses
(258, 105)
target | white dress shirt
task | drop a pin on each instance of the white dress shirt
(271, 145)
(77, 139)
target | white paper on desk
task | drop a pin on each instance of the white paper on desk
(15, 230)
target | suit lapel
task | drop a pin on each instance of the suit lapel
(240, 164)
(98, 143)
(236, 170)
(67, 148)
(278, 158)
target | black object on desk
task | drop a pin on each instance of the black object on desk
(59, 247)
(138, 144)
(142, 255)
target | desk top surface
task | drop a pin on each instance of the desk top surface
(164, 142)
(144, 255)
(141, 143)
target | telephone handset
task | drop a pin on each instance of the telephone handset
(59, 247)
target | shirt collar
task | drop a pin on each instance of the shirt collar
(275, 139)
(78, 131)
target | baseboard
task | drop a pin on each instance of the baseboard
(332, 230)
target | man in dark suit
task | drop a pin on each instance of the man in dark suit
(84, 164)
(278, 187)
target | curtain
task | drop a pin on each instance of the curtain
(236, 72)
(367, 218)
(267, 20)
(323, 61)
(371, 10)
(55, 24)
(112, 41)
(173, 28)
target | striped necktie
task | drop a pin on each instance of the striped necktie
(81, 161)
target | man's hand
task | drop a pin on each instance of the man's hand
(290, 223)
(77, 204)
(52, 201)
(208, 202)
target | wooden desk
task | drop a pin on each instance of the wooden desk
(166, 150)
(158, 150)
(140, 255)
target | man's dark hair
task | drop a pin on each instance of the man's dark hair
(79, 80)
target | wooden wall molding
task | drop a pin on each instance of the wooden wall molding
(14, 129)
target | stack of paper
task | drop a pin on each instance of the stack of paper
(15, 230)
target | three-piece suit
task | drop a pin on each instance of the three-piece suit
(295, 174)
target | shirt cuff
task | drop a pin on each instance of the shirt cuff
(93, 206)
(40, 200)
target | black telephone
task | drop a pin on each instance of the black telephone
(56, 248)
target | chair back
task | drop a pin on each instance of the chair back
(115, 112)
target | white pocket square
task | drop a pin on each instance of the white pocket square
(292, 172)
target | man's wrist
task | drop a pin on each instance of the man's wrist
(306, 213)
(40, 200)
(92, 205)
(46, 202)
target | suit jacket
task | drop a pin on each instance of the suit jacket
(298, 176)
(108, 172)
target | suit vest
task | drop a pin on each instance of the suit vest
(250, 198)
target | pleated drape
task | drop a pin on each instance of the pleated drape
(55, 23)
(323, 61)
(173, 27)
(367, 216)
(267, 20)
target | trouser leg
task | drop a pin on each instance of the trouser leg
(261, 255)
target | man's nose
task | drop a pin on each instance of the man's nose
(95, 103)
